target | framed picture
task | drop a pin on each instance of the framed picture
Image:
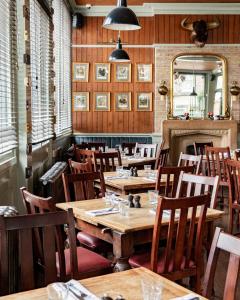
(81, 101)
(102, 101)
(102, 72)
(144, 102)
(80, 72)
(143, 72)
(123, 101)
(122, 72)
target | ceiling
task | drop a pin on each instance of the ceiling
(140, 2)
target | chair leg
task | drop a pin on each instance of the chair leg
(231, 216)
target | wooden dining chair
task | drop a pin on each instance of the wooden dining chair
(190, 160)
(60, 264)
(146, 150)
(162, 158)
(80, 167)
(237, 154)
(130, 148)
(83, 155)
(227, 243)
(180, 256)
(233, 175)
(106, 162)
(195, 185)
(93, 146)
(167, 186)
(199, 148)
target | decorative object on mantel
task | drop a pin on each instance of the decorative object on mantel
(121, 18)
(162, 89)
(235, 89)
(199, 30)
(210, 115)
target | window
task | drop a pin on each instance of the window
(40, 53)
(8, 64)
(62, 66)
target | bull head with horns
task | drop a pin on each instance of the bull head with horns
(199, 30)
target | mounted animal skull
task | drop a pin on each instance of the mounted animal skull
(199, 30)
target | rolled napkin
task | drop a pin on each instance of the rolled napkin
(187, 297)
(150, 179)
(71, 290)
(115, 177)
(103, 211)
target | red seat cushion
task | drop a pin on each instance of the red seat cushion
(93, 242)
(143, 260)
(88, 261)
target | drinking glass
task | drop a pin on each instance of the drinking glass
(147, 169)
(153, 196)
(119, 170)
(151, 291)
(108, 198)
(123, 208)
(57, 291)
(137, 155)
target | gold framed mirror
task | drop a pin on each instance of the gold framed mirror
(198, 86)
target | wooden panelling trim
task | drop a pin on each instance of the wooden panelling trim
(111, 46)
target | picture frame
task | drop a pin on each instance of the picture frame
(122, 72)
(102, 101)
(144, 101)
(80, 101)
(102, 72)
(143, 72)
(80, 72)
(123, 101)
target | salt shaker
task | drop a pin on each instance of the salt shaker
(135, 172)
(131, 171)
(137, 203)
(130, 200)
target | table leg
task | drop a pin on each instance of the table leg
(122, 250)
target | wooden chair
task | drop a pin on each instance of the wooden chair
(129, 146)
(181, 256)
(199, 148)
(168, 187)
(83, 155)
(93, 146)
(78, 167)
(190, 160)
(59, 264)
(231, 244)
(237, 154)
(146, 150)
(105, 162)
(233, 174)
(195, 185)
(162, 157)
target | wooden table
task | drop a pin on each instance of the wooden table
(133, 162)
(127, 284)
(122, 231)
(131, 184)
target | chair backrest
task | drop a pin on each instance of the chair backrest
(23, 226)
(184, 240)
(199, 148)
(129, 146)
(231, 244)
(237, 154)
(80, 167)
(195, 185)
(167, 186)
(83, 155)
(146, 150)
(190, 160)
(82, 186)
(107, 162)
(215, 162)
(162, 157)
(94, 146)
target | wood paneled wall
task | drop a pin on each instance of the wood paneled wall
(161, 29)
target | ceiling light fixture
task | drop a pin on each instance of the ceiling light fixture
(119, 55)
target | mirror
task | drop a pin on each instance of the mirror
(198, 86)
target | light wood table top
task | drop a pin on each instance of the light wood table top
(131, 161)
(127, 284)
(137, 219)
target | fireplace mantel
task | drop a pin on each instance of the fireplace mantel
(180, 133)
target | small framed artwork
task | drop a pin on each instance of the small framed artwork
(102, 72)
(143, 72)
(123, 101)
(122, 72)
(144, 102)
(80, 72)
(102, 101)
(81, 101)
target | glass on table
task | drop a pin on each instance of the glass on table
(148, 170)
(150, 290)
(57, 291)
(123, 208)
(153, 196)
(137, 155)
(109, 198)
(119, 170)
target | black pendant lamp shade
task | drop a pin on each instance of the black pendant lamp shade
(119, 55)
(121, 18)
(193, 93)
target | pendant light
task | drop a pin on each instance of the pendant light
(193, 93)
(119, 55)
(121, 18)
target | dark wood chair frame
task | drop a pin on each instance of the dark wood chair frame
(129, 146)
(80, 167)
(105, 162)
(199, 148)
(162, 158)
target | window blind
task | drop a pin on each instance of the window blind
(62, 66)
(8, 64)
(42, 102)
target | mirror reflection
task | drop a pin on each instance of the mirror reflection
(198, 86)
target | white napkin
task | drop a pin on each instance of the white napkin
(150, 179)
(115, 177)
(103, 211)
(187, 297)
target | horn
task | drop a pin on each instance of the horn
(187, 26)
(213, 25)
